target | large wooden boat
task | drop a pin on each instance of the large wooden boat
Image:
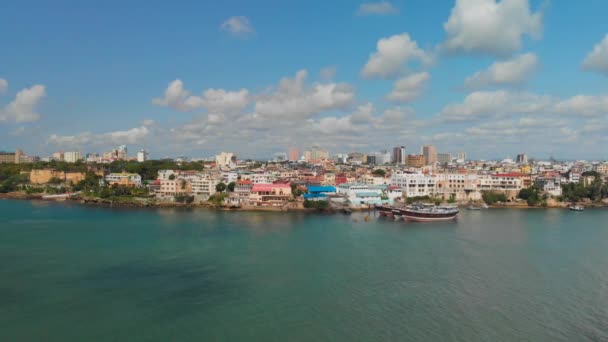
(429, 213)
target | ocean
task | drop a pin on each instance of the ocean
(76, 273)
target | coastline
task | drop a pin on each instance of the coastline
(142, 203)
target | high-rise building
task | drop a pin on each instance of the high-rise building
(225, 159)
(71, 157)
(399, 156)
(58, 156)
(415, 160)
(121, 153)
(430, 154)
(462, 156)
(7, 157)
(522, 158)
(444, 158)
(142, 156)
(294, 154)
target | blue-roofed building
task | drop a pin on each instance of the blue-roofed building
(318, 193)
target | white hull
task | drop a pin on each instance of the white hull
(428, 219)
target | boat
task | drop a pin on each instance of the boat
(576, 208)
(429, 213)
(473, 208)
(397, 214)
(384, 210)
(484, 206)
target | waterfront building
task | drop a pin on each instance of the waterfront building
(202, 186)
(549, 182)
(126, 179)
(243, 188)
(415, 184)
(270, 194)
(399, 156)
(71, 157)
(360, 195)
(318, 193)
(142, 156)
(415, 160)
(430, 154)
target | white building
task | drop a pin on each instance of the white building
(129, 179)
(71, 157)
(165, 174)
(142, 156)
(415, 184)
(259, 178)
(360, 194)
(225, 159)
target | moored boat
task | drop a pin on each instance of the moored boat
(429, 213)
(576, 208)
(384, 210)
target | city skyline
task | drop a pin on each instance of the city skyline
(364, 78)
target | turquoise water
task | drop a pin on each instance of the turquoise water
(73, 273)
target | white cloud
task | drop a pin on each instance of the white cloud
(490, 26)
(408, 88)
(328, 73)
(23, 107)
(511, 72)
(495, 103)
(3, 86)
(377, 8)
(293, 98)
(178, 98)
(597, 60)
(584, 105)
(392, 55)
(238, 26)
(132, 136)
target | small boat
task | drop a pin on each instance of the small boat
(484, 206)
(576, 208)
(473, 208)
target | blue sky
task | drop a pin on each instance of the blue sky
(92, 75)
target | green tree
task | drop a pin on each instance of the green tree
(379, 172)
(231, 186)
(220, 187)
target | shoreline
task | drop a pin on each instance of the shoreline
(98, 202)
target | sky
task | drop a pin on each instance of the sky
(492, 78)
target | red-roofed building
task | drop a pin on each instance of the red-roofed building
(270, 194)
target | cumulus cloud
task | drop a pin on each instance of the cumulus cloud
(494, 27)
(23, 107)
(408, 88)
(495, 103)
(392, 55)
(3, 86)
(377, 8)
(293, 98)
(131, 136)
(584, 105)
(328, 73)
(515, 71)
(597, 60)
(238, 26)
(220, 100)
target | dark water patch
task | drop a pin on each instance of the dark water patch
(163, 288)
